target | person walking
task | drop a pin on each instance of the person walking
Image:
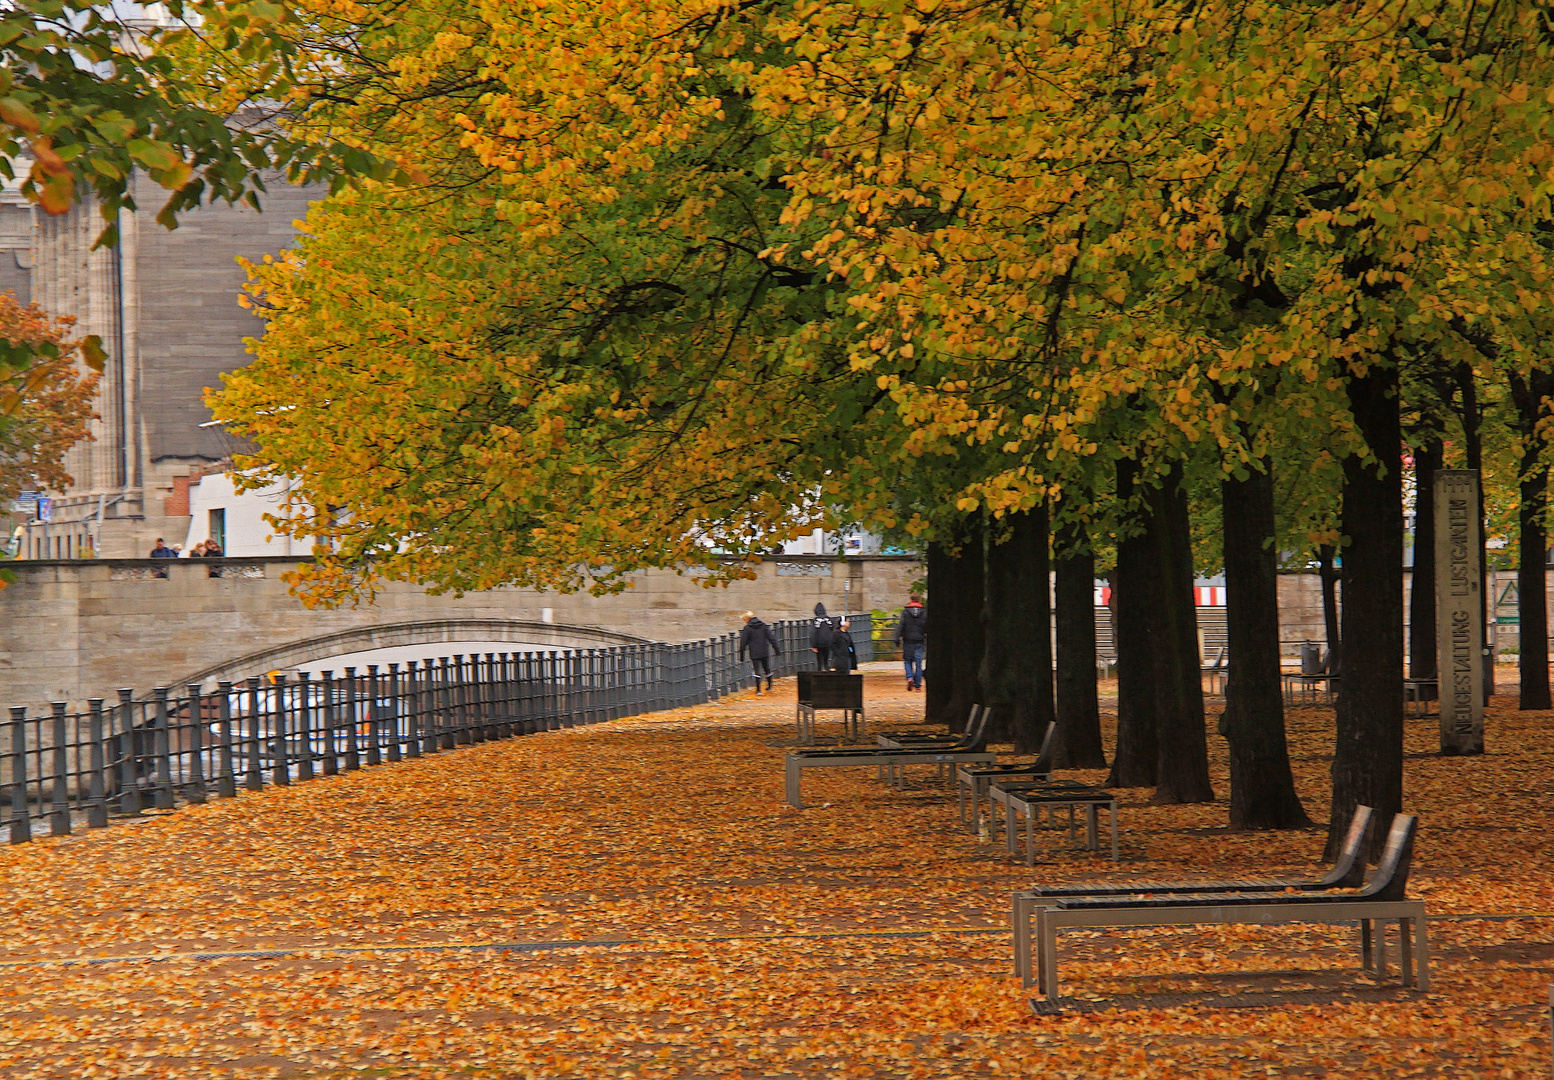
(757, 638)
(912, 638)
(822, 638)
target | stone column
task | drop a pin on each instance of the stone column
(1459, 611)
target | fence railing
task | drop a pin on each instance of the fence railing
(188, 744)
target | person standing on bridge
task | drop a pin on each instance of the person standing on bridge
(758, 639)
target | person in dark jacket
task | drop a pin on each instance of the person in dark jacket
(758, 640)
(912, 637)
(844, 652)
(822, 637)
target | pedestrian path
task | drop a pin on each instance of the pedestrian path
(636, 899)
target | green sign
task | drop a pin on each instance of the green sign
(1508, 620)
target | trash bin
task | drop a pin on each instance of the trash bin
(1310, 658)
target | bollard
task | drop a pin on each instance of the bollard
(21, 821)
(97, 791)
(194, 791)
(254, 778)
(280, 763)
(129, 755)
(226, 782)
(353, 759)
(304, 727)
(331, 759)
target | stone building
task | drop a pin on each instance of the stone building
(165, 305)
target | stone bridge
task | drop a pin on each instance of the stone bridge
(83, 628)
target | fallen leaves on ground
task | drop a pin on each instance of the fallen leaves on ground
(663, 913)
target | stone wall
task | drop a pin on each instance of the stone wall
(83, 629)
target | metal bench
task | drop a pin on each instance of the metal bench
(1348, 873)
(1029, 799)
(1382, 900)
(975, 733)
(972, 781)
(830, 690)
(971, 747)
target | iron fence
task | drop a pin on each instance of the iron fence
(66, 769)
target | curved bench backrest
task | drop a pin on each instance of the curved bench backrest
(1390, 881)
(1049, 747)
(1349, 871)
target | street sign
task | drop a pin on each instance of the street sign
(45, 509)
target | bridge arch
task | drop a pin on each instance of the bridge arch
(396, 635)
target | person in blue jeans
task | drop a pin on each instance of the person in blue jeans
(912, 637)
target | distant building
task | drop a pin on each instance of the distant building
(165, 305)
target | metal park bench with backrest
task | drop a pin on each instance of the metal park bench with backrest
(972, 781)
(1348, 873)
(1381, 900)
(970, 747)
(900, 739)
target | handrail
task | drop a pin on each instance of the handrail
(182, 744)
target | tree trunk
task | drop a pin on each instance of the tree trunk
(1182, 742)
(938, 665)
(1368, 753)
(1016, 673)
(1329, 575)
(1136, 761)
(966, 635)
(1262, 788)
(1421, 603)
(1532, 599)
(1079, 709)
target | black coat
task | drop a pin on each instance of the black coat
(823, 630)
(758, 639)
(912, 628)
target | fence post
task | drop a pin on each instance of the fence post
(226, 782)
(374, 740)
(395, 752)
(254, 781)
(280, 763)
(21, 814)
(305, 727)
(331, 758)
(196, 787)
(59, 798)
(426, 707)
(412, 710)
(446, 738)
(504, 722)
(164, 798)
(493, 702)
(129, 755)
(97, 793)
(353, 759)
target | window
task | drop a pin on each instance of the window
(218, 528)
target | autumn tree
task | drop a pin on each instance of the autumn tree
(45, 396)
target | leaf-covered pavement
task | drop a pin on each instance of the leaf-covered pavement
(662, 913)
